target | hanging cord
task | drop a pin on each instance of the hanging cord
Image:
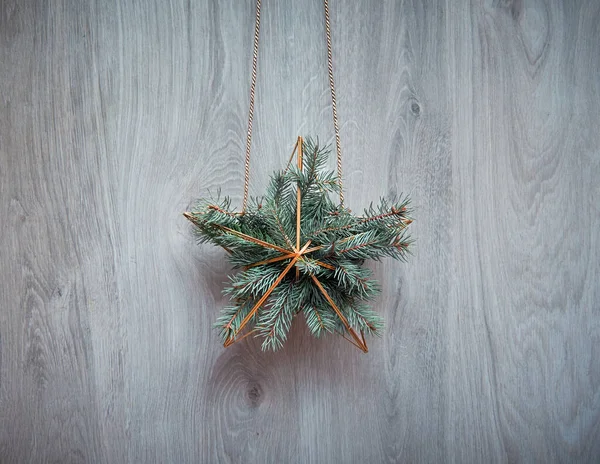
(338, 148)
(336, 128)
(251, 110)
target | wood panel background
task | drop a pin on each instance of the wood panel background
(115, 116)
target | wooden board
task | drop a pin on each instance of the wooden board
(115, 116)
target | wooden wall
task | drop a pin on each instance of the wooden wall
(116, 115)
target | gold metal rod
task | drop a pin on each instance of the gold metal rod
(298, 202)
(362, 345)
(272, 260)
(260, 302)
(252, 239)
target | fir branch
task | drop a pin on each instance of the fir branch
(288, 242)
(274, 322)
(330, 284)
(318, 320)
(230, 318)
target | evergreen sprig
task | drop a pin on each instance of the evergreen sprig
(330, 286)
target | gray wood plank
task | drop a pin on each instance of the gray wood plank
(115, 116)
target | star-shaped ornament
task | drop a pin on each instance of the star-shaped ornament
(296, 226)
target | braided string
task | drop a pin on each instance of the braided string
(251, 110)
(338, 147)
(336, 128)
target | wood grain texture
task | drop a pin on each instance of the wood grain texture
(115, 116)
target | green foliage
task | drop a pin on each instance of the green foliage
(340, 241)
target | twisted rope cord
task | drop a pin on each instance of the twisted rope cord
(251, 110)
(338, 148)
(336, 128)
